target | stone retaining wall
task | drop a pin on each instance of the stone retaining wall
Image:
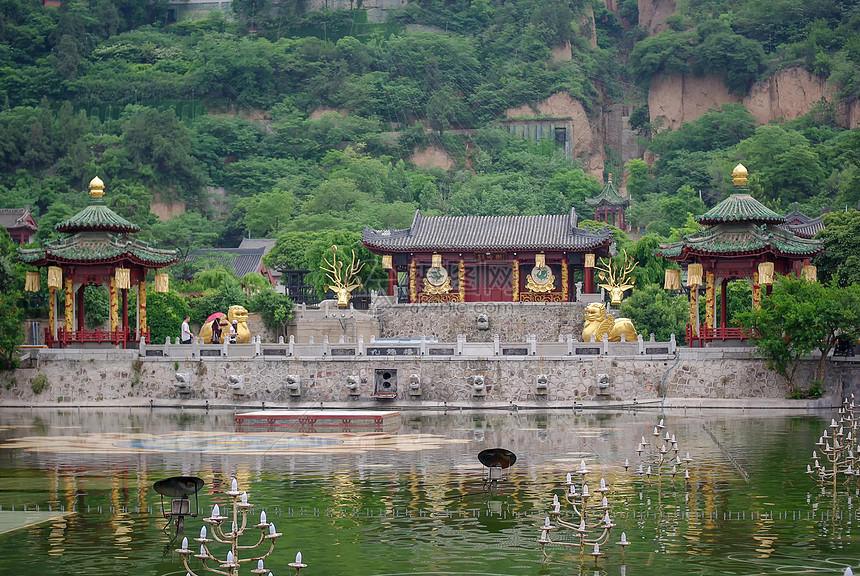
(512, 321)
(120, 377)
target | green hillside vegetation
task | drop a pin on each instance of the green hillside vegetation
(166, 109)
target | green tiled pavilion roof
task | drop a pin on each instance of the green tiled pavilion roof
(609, 195)
(96, 217)
(741, 238)
(740, 207)
(84, 248)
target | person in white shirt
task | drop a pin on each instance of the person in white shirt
(233, 327)
(186, 331)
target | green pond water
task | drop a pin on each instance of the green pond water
(413, 501)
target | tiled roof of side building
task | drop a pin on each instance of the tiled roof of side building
(15, 218)
(252, 243)
(243, 260)
(546, 232)
(809, 228)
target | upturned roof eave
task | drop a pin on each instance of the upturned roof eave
(598, 243)
(51, 259)
(687, 252)
(732, 220)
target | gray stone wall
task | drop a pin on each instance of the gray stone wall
(123, 379)
(512, 321)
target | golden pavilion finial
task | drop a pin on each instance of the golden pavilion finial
(97, 187)
(739, 175)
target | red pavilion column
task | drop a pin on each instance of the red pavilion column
(392, 281)
(588, 274)
(125, 316)
(80, 306)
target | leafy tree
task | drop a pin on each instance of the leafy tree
(165, 312)
(683, 203)
(740, 59)
(576, 186)
(783, 166)
(275, 309)
(216, 300)
(160, 147)
(11, 332)
(839, 263)
(714, 130)
(96, 306)
(665, 53)
(290, 251)
(185, 233)
(650, 269)
(215, 277)
(799, 317)
(11, 272)
(638, 178)
(647, 214)
(654, 311)
(267, 213)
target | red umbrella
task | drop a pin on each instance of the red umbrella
(215, 315)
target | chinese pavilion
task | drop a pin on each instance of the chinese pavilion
(742, 239)
(20, 224)
(97, 250)
(488, 258)
(610, 206)
(803, 225)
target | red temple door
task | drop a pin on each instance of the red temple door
(492, 283)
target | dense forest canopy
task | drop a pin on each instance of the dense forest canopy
(301, 122)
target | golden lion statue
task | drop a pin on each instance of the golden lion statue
(205, 334)
(599, 322)
(238, 313)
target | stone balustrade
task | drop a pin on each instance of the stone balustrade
(400, 347)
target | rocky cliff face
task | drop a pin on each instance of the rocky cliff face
(587, 143)
(376, 9)
(790, 93)
(653, 13)
(166, 209)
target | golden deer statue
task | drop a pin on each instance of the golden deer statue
(343, 282)
(616, 278)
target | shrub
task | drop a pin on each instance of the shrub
(39, 383)
(164, 315)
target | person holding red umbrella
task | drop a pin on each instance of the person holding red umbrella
(216, 330)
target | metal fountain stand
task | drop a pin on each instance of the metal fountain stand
(840, 457)
(657, 456)
(230, 566)
(584, 507)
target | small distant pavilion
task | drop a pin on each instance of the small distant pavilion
(97, 250)
(804, 225)
(742, 239)
(488, 258)
(610, 206)
(20, 224)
